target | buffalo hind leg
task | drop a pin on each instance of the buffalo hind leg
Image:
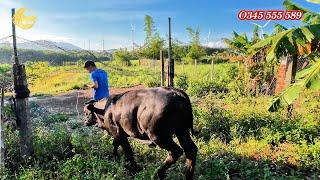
(174, 152)
(190, 150)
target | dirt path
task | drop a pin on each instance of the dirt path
(72, 102)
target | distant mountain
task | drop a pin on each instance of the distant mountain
(44, 45)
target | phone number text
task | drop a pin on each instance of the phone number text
(270, 15)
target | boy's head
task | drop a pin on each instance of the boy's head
(90, 66)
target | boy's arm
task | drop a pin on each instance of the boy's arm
(95, 84)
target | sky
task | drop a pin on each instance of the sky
(81, 21)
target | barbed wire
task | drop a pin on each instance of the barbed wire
(52, 45)
(4, 38)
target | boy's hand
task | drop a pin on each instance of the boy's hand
(86, 86)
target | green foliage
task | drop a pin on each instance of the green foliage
(54, 139)
(278, 28)
(5, 77)
(152, 82)
(202, 88)
(306, 79)
(148, 28)
(195, 49)
(237, 137)
(179, 51)
(80, 167)
(122, 56)
(58, 118)
(181, 82)
(308, 17)
(152, 49)
(240, 43)
(52, 56)
(288, 42)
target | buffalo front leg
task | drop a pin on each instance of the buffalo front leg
(129, 154)
(116, 144)
(174, 152)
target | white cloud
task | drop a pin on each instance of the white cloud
(217, 44)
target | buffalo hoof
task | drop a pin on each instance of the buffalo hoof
(152, 145)
(159, 174)
(134, 169)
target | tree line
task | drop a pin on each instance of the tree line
(153, 43)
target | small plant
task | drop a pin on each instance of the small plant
(182, 82)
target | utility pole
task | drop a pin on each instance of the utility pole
(132, 35)
(103, 45)
(170, 60)
(21, 95)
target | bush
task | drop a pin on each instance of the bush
(182, 82)
(51, 143)
(152, 82)
(58, 118)
(202, 88)
(122, 56)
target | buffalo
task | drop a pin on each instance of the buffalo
(153, 114)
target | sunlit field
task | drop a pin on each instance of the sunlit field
(237, 136)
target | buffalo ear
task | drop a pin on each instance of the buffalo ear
(112, 100)
(90, 107)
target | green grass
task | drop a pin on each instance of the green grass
(45, 79)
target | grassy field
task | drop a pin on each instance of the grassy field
(238, 138)
(45, 79)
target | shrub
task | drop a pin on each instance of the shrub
(152, 82)
(57, 118)
(202, 88)
(51, 143)
(122, 56)
(182, 82)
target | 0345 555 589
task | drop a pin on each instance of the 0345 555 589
(270, 15)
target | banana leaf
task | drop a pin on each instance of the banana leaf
(306, 79)
(314, 1)
(308, 17)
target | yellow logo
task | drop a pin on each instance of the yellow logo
(23, 21)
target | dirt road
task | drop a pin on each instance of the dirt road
(72, 102)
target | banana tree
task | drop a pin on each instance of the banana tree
(306, 79)
(296, 41)
(240, 43)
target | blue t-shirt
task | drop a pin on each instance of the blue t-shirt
(103, 87)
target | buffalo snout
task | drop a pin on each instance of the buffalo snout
(89, 116)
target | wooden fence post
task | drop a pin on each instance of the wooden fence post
(211, 69)
(1, 131)
(22, 105)
(182, 67)
(171, 61)
(162, 68)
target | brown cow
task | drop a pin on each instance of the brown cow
(154, 114)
